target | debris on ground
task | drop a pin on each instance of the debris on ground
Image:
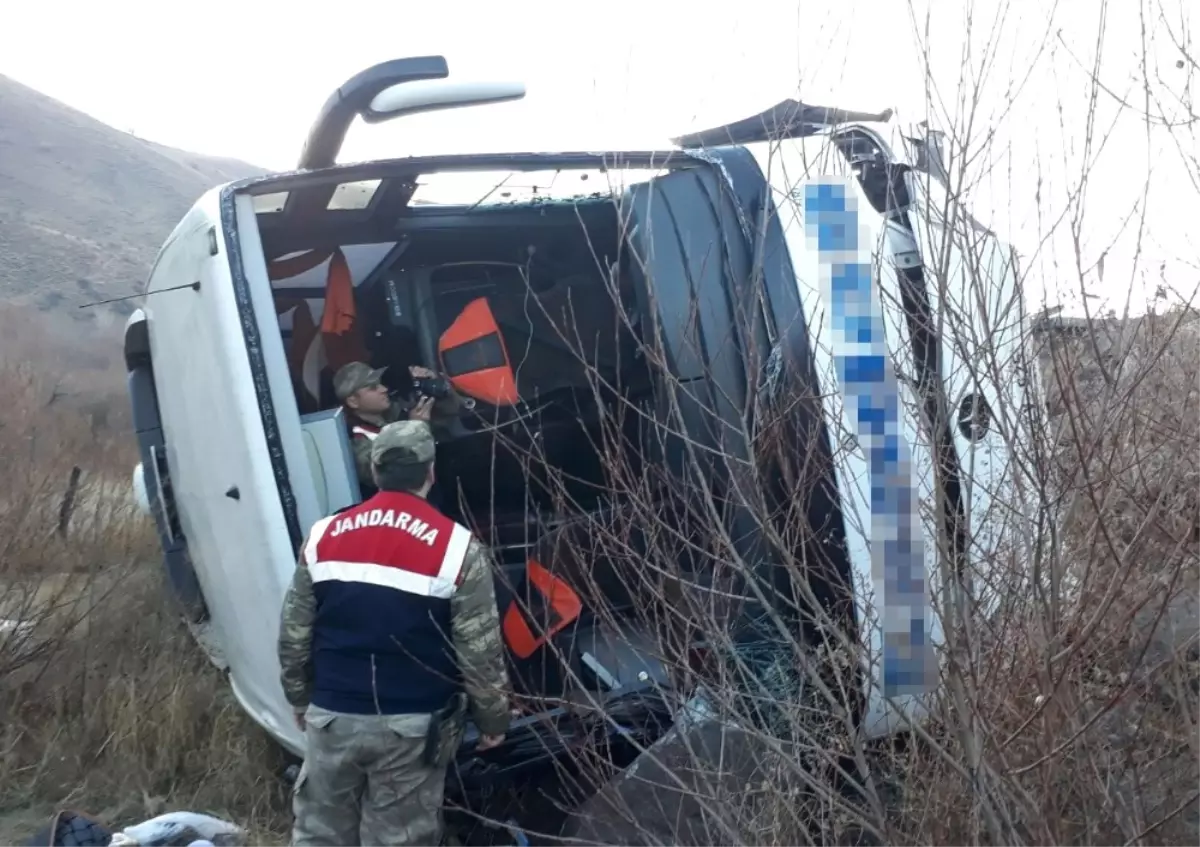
(69, 828)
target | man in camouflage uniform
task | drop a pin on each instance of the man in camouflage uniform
(368, 407)
(391, 614)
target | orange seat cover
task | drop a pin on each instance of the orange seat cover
(474, 357)
(552, 600)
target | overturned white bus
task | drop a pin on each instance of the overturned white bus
(729, 255)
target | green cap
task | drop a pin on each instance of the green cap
(403, 443)
(355, 376)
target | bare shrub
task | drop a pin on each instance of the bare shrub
(106, 704)
(1073, 718)
(1066, 711)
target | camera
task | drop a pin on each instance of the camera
(431, 386)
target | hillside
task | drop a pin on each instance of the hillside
(84, 207)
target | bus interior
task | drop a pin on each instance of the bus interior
(518, 285)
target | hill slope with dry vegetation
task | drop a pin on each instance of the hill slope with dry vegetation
(84, 207)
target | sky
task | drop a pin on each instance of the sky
(245, 79)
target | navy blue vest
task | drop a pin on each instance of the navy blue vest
(383, 575)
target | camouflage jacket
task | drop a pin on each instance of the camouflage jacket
(475, 631)
(442, 416)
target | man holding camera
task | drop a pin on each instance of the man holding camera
(369, 408)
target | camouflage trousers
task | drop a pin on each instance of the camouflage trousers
(363, 781)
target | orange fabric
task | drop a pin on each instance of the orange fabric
(497, 386)
(474, 322)
(517, 634)
(304, 328)
(494, 385)
(561, 601)
(339, 322)
(562, 598)
(343, 349)
(304, 336)
(339, 314)
(338, 337)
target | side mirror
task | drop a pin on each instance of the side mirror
(431, 95)
(353, 96)
(391, 90)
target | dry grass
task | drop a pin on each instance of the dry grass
(1085, 689)
(1070, 720)
(106, 705)
(1070, 717)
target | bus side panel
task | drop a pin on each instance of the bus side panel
(790, 165)
(976, 301)
(228, 503)
(286, 414)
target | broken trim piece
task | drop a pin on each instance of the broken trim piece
(786, 119)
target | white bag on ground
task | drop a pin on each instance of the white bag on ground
(181, 829)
